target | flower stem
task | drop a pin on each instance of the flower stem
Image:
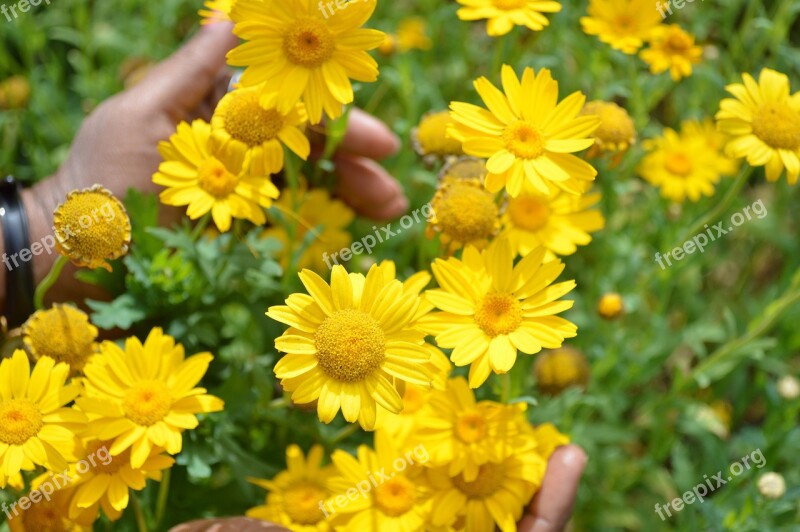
(141, 523)
(163, 496)
(722, 206)
(505, 390)
(344, 433)
(48, 282)
(201, 227)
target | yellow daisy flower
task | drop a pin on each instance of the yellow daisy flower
(36, 428)
(49, 514)
(402, 426)
(241, 124)
(560, 222)
(617, 131)
(526, 134)
(431, 140)
(558, 369)
(412, 35)
(623, 24)
(295, 495)
(314, 212)
(503, 15)
(496, 497)
(311, 52)
(346, 343)
(671, 48)
(207, 180)
(764, 124)
(681, 167)
(216, 11)
(399, 502)
(108, 482)
(464, 212)
(92, 227)
(145, 396)
(62, 333)
(493, 309)
(706, 131)
(610, 306)
(463, 434)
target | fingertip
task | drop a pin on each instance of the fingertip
(369, 137)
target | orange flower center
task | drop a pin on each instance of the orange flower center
(465, 211)
(350, 345)
(778, 125)
(524, 140)
(499, 314)
(309, 43)
(104, 463)
(147, 402)
(301, 502)
(413, 399)
(470, 427)
(396, 496)
(250, 123)
(490, 479)
(678, 43)
(20, 420)
(528, 213)
(678, 164)
(215, 179)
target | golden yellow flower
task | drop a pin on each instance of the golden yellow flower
(145, 396)
(316, 216)
(351, 344)
(241, 124)
(14, 92)
(610, 306)
(763, 122)
(412, 35)
(50, 514)
(92, 227)
(548, 439)
(313, 53)
(558, 369)
(526, 134)
(464, 212)
(706, 131)
(671, 48)
(624, 24)
(36, 428)
(216, 11)
(62, 333)
(295, 494)
(431, 139)
(617, 131)
(207, 180)
(682, 167)
(503, 15)
(560, 222)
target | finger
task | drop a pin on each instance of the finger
(552, 506)
(368, 188)
(183, 80)
(366, 136)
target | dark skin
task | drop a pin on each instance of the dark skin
(116, 147)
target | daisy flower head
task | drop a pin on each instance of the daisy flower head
(208, 180)
(623, 24)
(294, 495)
(50, 514)
(92, 227)
(431, 139)
(526, 134)
(616, 133)
(671, 48)
(305, 52)
(763, 121)
(412, 34)
(36, 426)
(216, 11)
(319, 217)
(681, 167)
(62, 333)
(350, 344)
(558, 369)
(107, 483)
(492, 309)
(560, 222)
(241, 124)
(401, 502)
(610, 306)
(145, 396)
(503, 15)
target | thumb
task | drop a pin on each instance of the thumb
(182, 81)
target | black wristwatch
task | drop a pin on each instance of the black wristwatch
(17, 257)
